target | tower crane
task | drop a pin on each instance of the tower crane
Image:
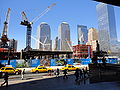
(4, 37)
(27, 23)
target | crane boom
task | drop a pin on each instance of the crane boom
(43, 13)
(5, 29)
(8, 15)
(24, 16)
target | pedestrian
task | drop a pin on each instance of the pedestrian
(86, 72)
(77, 74)
(54, 71)
(57, 72)
(81, 74)
(65, 74)
(6, 79)
(22, 74)
(49, 73)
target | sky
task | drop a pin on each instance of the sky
(74, 12)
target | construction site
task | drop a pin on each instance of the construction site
(8, 47)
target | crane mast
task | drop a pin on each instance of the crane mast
(4, 37)
(25, 22)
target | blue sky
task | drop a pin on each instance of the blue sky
(74, 12)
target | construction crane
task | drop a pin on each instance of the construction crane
(25, 22)
(4, 37)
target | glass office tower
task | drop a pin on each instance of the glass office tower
(106, 27)
(44, 36)
(64, 37)
(82, 34)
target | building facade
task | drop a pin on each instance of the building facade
(92, 34)
(64, 42)
(13, 44)
(55, 44)
(92, 38)
(82, 51)
(106, 27)
(82, 34)
(44, 41)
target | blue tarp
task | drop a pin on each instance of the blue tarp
(112, 60)
(52, 62)
(12, 62)
(34, 62)
(99, 61)
(109, 60)
(5, 62)
(85, 61)
(69, 61)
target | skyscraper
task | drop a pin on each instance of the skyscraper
(82, 34)
(92, 34)
(106, 27)
(64, 42)
(44, 36)
(92, 38)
